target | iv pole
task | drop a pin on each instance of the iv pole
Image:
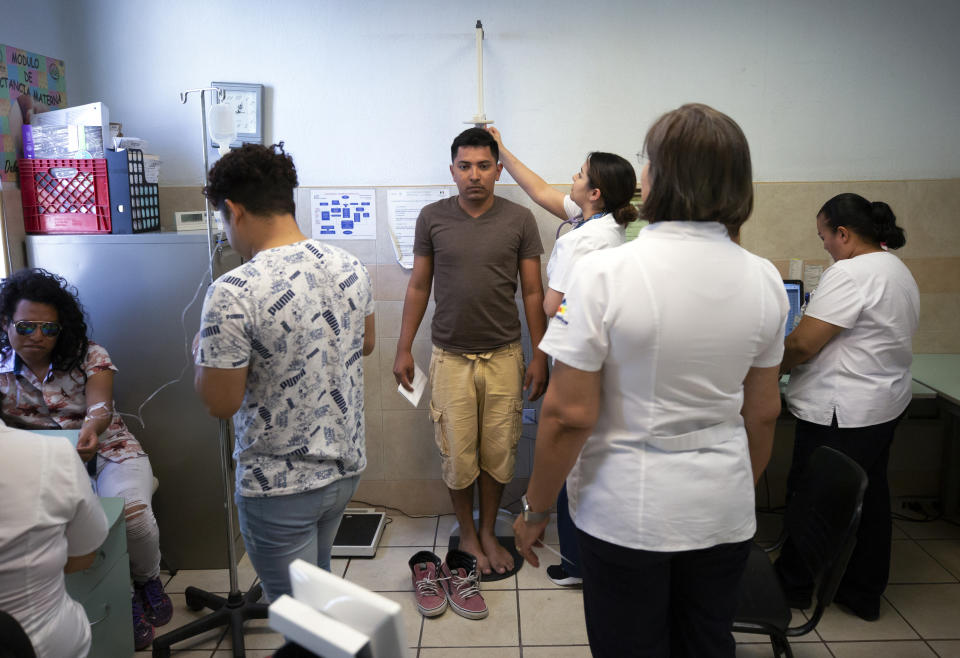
(479, 119)
(220, 95)
(238, 607)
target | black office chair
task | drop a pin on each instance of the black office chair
(822, 518)
(14, 641)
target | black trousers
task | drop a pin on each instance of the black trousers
(869, 567)
(656, 605)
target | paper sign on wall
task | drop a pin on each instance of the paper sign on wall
(811, 277)
(403, 208)
(348, 214)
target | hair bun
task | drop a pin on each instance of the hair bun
(626, 214)
(891, 235)
(872, 221)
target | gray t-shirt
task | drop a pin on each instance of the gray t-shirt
(475, 266)
(294, 315)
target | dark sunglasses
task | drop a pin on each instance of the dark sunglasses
(27, 327)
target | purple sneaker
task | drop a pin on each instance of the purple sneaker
(427, 570)
(142, 630)
(462, 585)
(157, 607)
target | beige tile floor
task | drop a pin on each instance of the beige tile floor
(532, 618)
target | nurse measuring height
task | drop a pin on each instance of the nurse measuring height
(598, 205)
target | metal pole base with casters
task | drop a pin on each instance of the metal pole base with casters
(238, 607)
(232, 611)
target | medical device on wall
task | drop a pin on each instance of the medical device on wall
(335, 618)
(479, 119)
(196, 220)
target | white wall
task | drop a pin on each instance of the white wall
(38, 26)
(371, 93)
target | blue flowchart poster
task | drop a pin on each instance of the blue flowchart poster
(347, 214)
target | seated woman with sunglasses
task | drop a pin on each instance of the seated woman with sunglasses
(53, 377)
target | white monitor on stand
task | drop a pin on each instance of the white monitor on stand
(335, 618)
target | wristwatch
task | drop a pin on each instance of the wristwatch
(529, 516)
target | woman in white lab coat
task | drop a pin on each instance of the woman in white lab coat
(849, 362)
(662, 405)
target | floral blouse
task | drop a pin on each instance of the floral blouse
(59, 401)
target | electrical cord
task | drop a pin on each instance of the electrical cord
(397, 509)
(204, 280)
(419, 516)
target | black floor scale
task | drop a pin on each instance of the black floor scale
(359, 533)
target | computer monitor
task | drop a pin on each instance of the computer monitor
(335, 618)
(794, 288)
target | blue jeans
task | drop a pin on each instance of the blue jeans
(280, 529)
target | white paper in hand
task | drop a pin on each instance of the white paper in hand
(419, 384)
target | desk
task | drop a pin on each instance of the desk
(941, 372)
(913, 471)
(104, 589)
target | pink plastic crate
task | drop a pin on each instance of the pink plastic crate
(65, 196)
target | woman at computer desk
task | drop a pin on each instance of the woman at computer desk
(598, 206)
(849, 362)
(667, 355)
(53, 377)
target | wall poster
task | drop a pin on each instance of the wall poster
(29, 84)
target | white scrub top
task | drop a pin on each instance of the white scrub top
(863, 373)
(675, 319)
(600, 233)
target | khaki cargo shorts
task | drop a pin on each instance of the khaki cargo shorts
(476, 410)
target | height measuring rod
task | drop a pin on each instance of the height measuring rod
(479, 119)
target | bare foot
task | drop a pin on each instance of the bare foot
(500, 558)
(473, 547)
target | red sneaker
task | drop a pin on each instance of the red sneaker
(462, 585)
(427, 571)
